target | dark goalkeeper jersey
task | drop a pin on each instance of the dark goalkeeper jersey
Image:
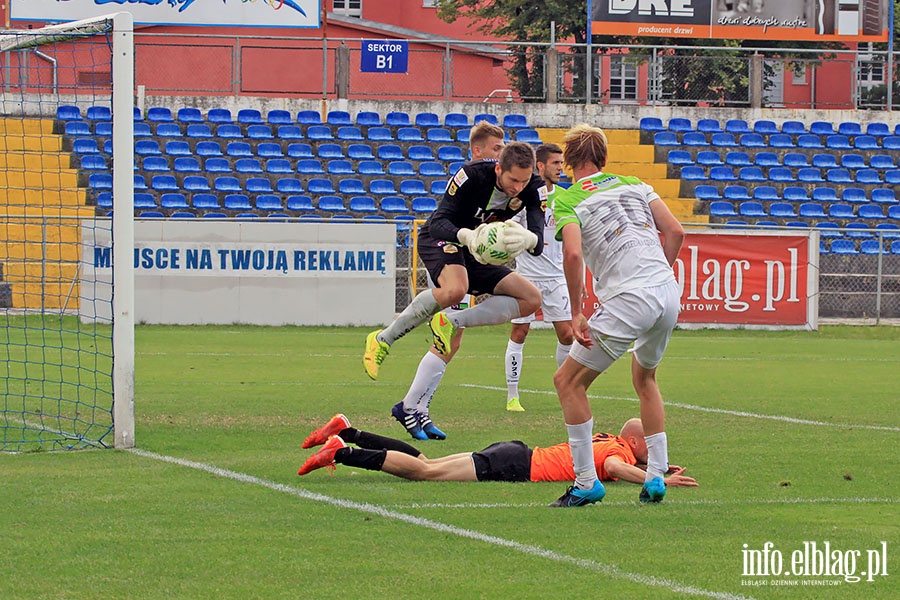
(473, 198)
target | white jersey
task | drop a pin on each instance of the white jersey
(619, 237)
(548, 265)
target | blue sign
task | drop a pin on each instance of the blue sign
(384, 56)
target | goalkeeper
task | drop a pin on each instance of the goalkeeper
(615, 456)
(481, 192)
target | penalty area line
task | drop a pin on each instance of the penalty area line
(723, 411)
(529, 549)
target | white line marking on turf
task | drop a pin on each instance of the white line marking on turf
(737, 413)
(669, 502)
(606, 569)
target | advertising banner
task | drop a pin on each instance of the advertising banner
(798, 20)
(235, 13)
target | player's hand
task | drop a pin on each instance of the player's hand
(676, 479)
(582, 331)
(468, 237)
(517, 238)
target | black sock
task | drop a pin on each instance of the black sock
(371, 460)
(373, 441)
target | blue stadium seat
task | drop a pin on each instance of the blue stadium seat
(77, 128)
(766, 159)
(884, 196)
(229, 132)
(888, 231)
(674, 157)
(665, 138)
(824, 194)
(104, 200)
(279, 166)
(139, 182)
(410, 134)
(752, 140)
(821, 128)
(173, 201)
(393, 204)
(764, 127)
(427, 119)
(237, 202)
(736, 193)
(793, 128)
(89, 146)
(310, 166)
(515, 121)
(178, 148)
(249, 116)
(680, 125)
(269, 202)
(420, 153)
(795, 194)
(246, 216)
(362, 204)
(841, 211)
(388, 152)
(259, 131)
(708, 126)
(199, 130)
(269, 150)
(332, 204)
(187, 114)
(737, 127)
(849, 128)
(781, 140)
(866, 142)
(694, 138)
(350, 187)
(219, 116)
(894, 213)
(766, 193)
(795, 160)
(289, 132)
(738, 158)
(652, 124)
(227, 184)
(529, 136)
(330, 151)
(720, 208)
(456, 120)
(781, 175)
(492, 119)
(825, 161)
(781, 210)
(723, 140)
(858, 231)
(397, 119)
(706, 158)
(278, 117)
(707, 192)
(205, 201)
(338, 118)
(722, 173)
(882, 162)
(159, 114)
(379, 134)
(68, 113)
(871, 247)
(892, 177)
(309, 117)
(749, 174)
(214, 215)
(868, 177)
(370, 167)
(870, 212)
(239, 150)
(300, 150)
(320, 185)
(843, 247)
(141, 147)
(797, 224)
(693, 173)
(812, 210)
(97, 162)
(424, 204)
(350, 133)
(809, 141)
(413, 187)
(382, 187)
(107, 147)
(319, 132)
(838, 142)
(368, 119)
(752, 208)
(340, 167)
(289, 185)
(164, 183)
(183, 164)
(299, 203)
(455, 166)
(431, 169)
(259, 185)
(401, 168)
(360, 152)
(810, 175)
(450, 153)
(208, 148)
(217, 165)
(878, 129)
(141, 201)
(838, 176)
(438, 187)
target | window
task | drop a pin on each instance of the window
(871, 66)
(623, 78)
(351, 8)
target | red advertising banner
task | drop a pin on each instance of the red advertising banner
(744, 279)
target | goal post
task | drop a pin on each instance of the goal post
(67, 340)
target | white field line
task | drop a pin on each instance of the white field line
(529, 549)
(736, 413)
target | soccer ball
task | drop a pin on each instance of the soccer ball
(490, 245)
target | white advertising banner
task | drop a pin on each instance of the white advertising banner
(236, 13)
(252, 273)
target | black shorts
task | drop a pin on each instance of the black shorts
(438, 253)
(503, 461)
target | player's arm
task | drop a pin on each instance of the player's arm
(668, 225)
(453, 209)
(619, 469)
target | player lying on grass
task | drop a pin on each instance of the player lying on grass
(615, 457)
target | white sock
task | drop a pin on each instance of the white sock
(583, 453)
(422, 307)
(657, 455)
(513, 368)
(496, 310)
(561, 353)
(428, 378)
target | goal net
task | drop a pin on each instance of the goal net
(67, 336)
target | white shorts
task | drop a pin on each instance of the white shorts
(645, 316)
(554, 302)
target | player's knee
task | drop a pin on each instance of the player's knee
(454, 294)
(530, 302)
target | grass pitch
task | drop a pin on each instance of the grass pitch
(793, 437)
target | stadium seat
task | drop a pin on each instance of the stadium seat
(736, 193)
(824, 194)
(379, 134)
(492, 119)
(279, 166)
(882, 162)
(693, 173)
(735, 223)
(214, 215)
(68, 113)
(330, 151)
(249, 116)
(737, 127)
(188, 114)
(828, 229)
(749, 174)
(439, 135)
(159, 114)
(894, 213)
(310, 166)
(888, 230)
(431, 169)
(350, 133)
(420, 153)
(424, 204)
(884, 196)
(680, 125)
(393, 204)
(151, 214)
(97, 162)
(781, 140)
(752, 208)
(809, 141)
(227, 184)
(362, 204)
(164, 183)
(173, 201)
(77, 128)
(259, 185)
(410, 134)
(217, 165)
(366, 118)
(229, 132)
(529, 136)
(870, 212)
(891, 142)
(199, 130)
(412, 187)
(721, 208)
(178, 148)
(370, 167)
(141, 129)
(764, 127)
(351, 187)
(382, 187)
(706, 158)
(248, 165)
(843, 247)
(319, 132)
(360, 152)
(515, 121)
(195, 183)
(838, 142)
(765, 193)
(795, 194)
(89, 146)
(169, 130)
(289, 132)
(456, 120)
(795, 160)
(455, 166)
(854, 196)
(239, 150)
(793, 128)
(237, 202)
(139, 182)
(708, 126)
(309, 117)
(849, 128)
(858, 231)
(269, 202)
(397, 119)
(866, 142)
(868, 177)
(766, 159)
(141, 201)
(288, 185)
(825, 161)
(141, 147)
(219, 116)
(838, 176)
(707, 192)
(652, 124)
(269, 150)
(259, 131)
(340, 167)
(320, 186)
(841, 211)
(878, 129)
(427, 119)
(870, 247)
(183, 164)
(277, 117)
(674, 157)
(738, 158)
(892, 177)
(812, 210)
(781, 175)
(752, 140)
(665, 138)
(781, 210)
(821, 128)
(694, 138)
(205, 201)
(438, 187)
(299, 150)
(332, 204)
(299, 203)
(388, 152)
(208, 148)
(723, 140)
(401, 168)
(722, 173)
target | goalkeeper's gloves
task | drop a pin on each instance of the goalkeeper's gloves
(518, 239)
(469, 239)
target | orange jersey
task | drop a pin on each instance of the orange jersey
(555, 463)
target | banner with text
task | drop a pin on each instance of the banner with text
(799, 20)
